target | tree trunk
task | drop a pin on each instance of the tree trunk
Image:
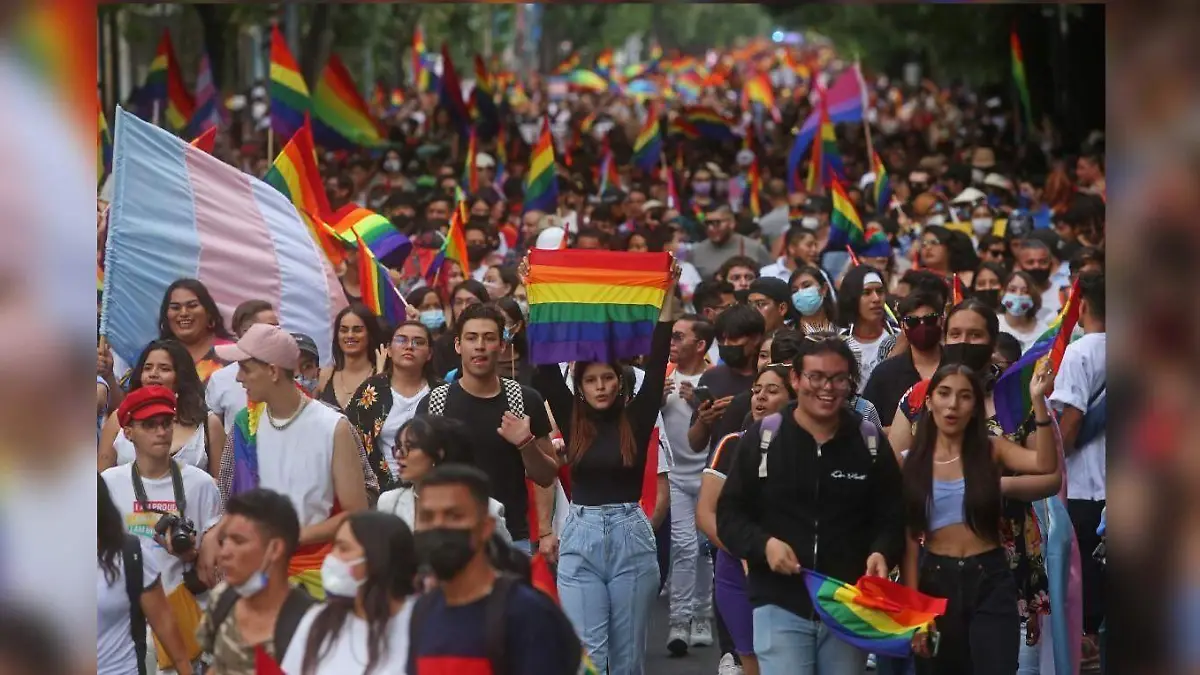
(215, 21)
(310, 50)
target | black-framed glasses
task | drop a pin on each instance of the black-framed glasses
(911, 321)
(818, 380)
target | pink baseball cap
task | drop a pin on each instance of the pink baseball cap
(263, 342)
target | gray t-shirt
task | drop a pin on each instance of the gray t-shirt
(708, 257)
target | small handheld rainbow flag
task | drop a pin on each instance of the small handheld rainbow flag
(470, 170)
(290, 101)
(647, 148)
(378, 293)
(1011, 393)
(594, 305)
(541, 187)
(883, 184)
(876, 615)
(354, 223)
(1018, 72)
(845, 225)
(164, 83)
(420, 73)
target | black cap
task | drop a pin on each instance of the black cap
(773, 287)
(306, 344)
(816, 204)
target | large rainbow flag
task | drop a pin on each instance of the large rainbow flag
(341, 119)
(1011, 393)
(594, 305)
(290, 101)
(876, 615)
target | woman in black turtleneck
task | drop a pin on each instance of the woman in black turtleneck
(608, 560)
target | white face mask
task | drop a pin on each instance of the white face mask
(255, 584)
(982, 226)
(337, 577)
(935, 220)
(810, 222)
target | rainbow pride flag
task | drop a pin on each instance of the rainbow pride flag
(104, 147)
(876, 615)
(588, 81)
(420, 73)
(354, 223)
(378, 293)
(570, 63)
(206, 141)
(826, 162)
(1011, 393)
(541, 185)
(709, 123)
(295, 174)
(681, 126)
(470, 169)
(483, 99)
(1018, 73)
(845, 225)
(455, 246)
(594, 305)
(883, 184)
(164, 83)
(647, 148)
(290, 101)
(450, 94)
(604, 61)
(757, 90)
(753, 188)
(501, 159)
(341, 119)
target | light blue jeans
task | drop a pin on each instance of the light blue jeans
(607, 581)
(786, 644)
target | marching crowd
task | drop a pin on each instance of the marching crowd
(806, 407)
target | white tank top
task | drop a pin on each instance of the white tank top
(298, 461)
(192, 452)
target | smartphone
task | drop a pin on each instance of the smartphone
(701, 394)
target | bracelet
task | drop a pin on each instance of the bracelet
(548, 534)
(527, 441)
(1041, 423)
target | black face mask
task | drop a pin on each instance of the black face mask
(991, 298)
(976, 357)
(1040, 276)
(733, 356)
(446, 550)
(476, 252)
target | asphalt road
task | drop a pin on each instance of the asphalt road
(698, 661)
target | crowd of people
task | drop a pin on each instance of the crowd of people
(808, 407)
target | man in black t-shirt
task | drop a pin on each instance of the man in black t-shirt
(740, 331)
(508, 444)
(921, 318)
(477, 622)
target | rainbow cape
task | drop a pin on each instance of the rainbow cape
(305, 566)
(290, 101)
(594, 305)
(876, 615)
(341, 119)
(541, 186)
(1011, 393)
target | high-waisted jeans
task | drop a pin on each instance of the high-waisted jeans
(607, 581)
(981, 630)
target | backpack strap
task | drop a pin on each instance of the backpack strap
(513, 395)
(131, 559)
(437, 400)
(422, 604)
(766, 433)
(297, 604)
(870, 435)
(495, 625)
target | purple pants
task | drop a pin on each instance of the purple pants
(733, 604)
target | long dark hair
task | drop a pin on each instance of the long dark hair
(981, 504)
(431, 377)
(391, 560)
(851, 292)
(216, 323)
(190, 408)
(110, 532)
(444, 440)
(584, 417)
(375, 337)
(512, 311)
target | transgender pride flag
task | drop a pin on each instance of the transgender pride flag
(179, 212)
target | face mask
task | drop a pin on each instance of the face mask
(308, 384)
(1017, 305)
(391, 166)
(508, 334)
(446, 550)
(991, 298)
(702, 187)
(807, 300)
(981, 226)
(402, 222)
(935, 220)
(476, 252)
(1040, 276)
(733, 356)
(810, 223)
(524, 305)
(923, 338)
(337, 578)
(433, 319)
(255, 584)
(683, 251)
(975, 357)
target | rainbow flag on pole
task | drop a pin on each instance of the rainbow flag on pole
(541, 186)
(1018, 73)
(164, 83)
(455, 246)
(883, 184)
(876, 615)
(378, 293)
(647, 148)
(295, 174)
(845, 224)
(341, 119)
(355, 224)
(290, 102)
(594, 305)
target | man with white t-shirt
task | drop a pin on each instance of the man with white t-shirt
(691, 572)
(167, 502)
(291, 444)
(1080, 389)
(224, 395)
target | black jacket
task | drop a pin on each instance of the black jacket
(834, 505)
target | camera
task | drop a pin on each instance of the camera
(181, 532)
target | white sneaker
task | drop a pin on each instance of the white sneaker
(871, 662)
(728, 666)
(701, 633)
(678, 638)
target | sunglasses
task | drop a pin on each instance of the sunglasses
(911, 321)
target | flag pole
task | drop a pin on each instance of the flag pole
(862, 88)
(154, 115)
(270, 143)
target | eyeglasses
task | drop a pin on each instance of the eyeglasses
(911, 321)
(771, 389)
(677, 338)
(839, 382)
(930, 243)
(157, 423)
(414, 342)
(466, 302)
(995, 252)
(762, 304)
(714, 223)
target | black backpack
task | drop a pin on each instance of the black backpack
(495, 626)
(297, 603)
(131, 559)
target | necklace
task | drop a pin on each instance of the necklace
(949, 461)
(287, 422)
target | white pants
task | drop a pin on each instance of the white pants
(691, 580)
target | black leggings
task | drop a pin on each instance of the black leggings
(981, 631)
